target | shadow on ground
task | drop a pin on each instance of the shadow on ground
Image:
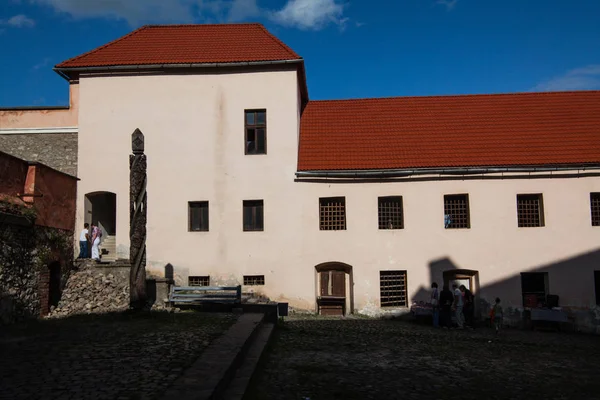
(377, 359)
(124, 355)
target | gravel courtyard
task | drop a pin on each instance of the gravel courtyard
(315, 358)
(114, 356)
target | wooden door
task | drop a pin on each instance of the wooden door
(332, 300)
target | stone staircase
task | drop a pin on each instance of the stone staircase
(108, 248)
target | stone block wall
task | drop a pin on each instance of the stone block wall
(57, 150)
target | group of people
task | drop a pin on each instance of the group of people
(86, 238)
(460, 303)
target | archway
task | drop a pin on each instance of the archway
(101, 209)
(334, 288)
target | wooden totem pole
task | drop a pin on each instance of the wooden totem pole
(137, 222)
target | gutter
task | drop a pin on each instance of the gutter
(394, 173)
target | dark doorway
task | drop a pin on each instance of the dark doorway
(534, 288)
(54, 290)
(597, 285)
(101, 209)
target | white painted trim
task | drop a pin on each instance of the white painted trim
(26, 131)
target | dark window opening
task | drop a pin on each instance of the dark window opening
(198, 216)
(254, 280)
(332, 213)
(597, 286)
(595, 208)
(199, 281)
(253, 215)
(456, 211)
(530, 210)
(392, 287)
(391, 215)
(534, 288)
(255, 123)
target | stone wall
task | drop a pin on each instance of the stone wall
(27, 252)
(57, 150)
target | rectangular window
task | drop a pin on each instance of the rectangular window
(595, 208)
(198, 281)
(534, 288)
(253, 280)
(456, 211)
(255, 123)
(391, 215)
(198, 216)
(253, 215)
(530, 210)
(392, 287)
(332, 213)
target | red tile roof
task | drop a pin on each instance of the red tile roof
(182, 44)
(451, 131)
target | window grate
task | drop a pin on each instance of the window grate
(253, 215)
(255, 124)
(391, 215)
(254, 280)
(199, 281)
(198, 216)
(392, 287)
(332, 213)
(530, 211)
(456, 211)
(595, 208)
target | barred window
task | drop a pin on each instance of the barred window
(456, 211)
(332, 213)
(253, 215)
(530, 210)
(392, 287)
(252, 280)
(198, 216)
(199, 281)
(595, 208)
(391, 215)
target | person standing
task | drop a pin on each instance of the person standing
(446, 300)
(497, 315)
(457, 306)
(96, 235)
(468, 306)
(435, 303)
(84, 239)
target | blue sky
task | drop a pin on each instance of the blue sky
(352, 48)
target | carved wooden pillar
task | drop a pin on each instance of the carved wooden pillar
(137, 221)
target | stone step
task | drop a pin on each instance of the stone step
(242, 376)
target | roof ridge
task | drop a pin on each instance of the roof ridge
(276, 39)
(507, 94)
(103, 46)
(190, 25)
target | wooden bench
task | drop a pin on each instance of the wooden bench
(205, 294)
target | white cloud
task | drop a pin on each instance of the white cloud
(310, 14)
(41, 64)
(18, 21)
(303, 14)
(584, 78)
(449, 4)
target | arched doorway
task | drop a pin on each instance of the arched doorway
(101, 209)
(334, 288)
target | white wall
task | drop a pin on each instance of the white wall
(194, 132)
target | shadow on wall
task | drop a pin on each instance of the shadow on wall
(573, 280)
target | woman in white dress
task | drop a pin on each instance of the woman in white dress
(96, 235)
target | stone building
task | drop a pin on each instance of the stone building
(336, 206)
(37, 216)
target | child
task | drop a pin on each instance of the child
(497, 315)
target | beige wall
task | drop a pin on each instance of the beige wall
(194, 132)
(41, 118)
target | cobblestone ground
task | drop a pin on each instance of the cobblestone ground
(118, 356)
(374, 359)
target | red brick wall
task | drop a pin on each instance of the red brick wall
(13, 172)
(56, 207)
